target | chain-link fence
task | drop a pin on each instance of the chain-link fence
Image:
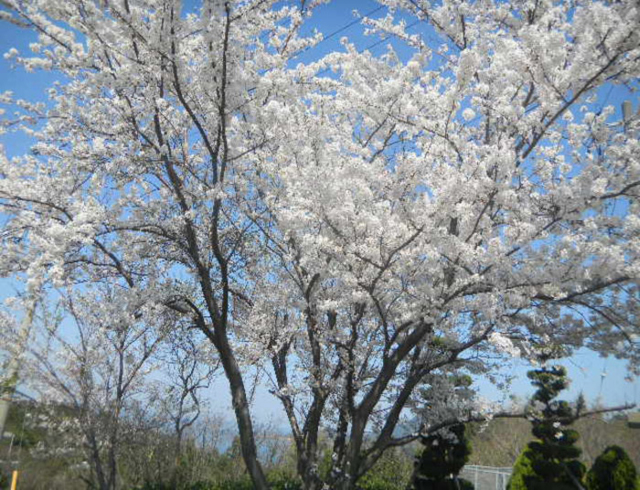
(487, 477)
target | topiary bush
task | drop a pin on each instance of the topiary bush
(450, 484)
(613, 470)
(551, 460)
(443, 457)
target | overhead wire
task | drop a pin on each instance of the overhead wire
(371, 46)
(336, 32)
(328, 37)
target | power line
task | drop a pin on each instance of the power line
(387, 37)
(373, 45)
(336, 32)
(324, 39)
(332, 34)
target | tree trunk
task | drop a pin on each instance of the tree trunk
(176, 459)
(241, 409)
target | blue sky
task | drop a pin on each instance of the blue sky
(585, 368)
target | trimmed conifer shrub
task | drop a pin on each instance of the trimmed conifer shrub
(613, 470)
(551, 461)
(443, 457)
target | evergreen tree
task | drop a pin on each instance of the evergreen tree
(553, 455)
(522, 470)
(443, 457)
(613, 470)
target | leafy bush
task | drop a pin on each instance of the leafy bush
(445, 454)
(391, 472)
(449, 484)
(613, 470)
(522, 470)
(243, 484)
(442, 459)
(278, 480)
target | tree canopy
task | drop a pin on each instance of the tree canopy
(351, 226)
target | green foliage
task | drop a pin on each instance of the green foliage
(325, 463)
(244, 484)
(450, 484)
(522, 470)
(502, 440)
(8, 385)
(444, 454)
(26, 433)
(391, 472)
(442, 459)
(524, 476)
(613, 470)
(278, 480)
(4, 480)
(553, 456)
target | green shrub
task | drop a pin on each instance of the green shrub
(202, 485)
(278, 480)
(236, 484)
(551, 461)
(281, 480)
(522, 470)
(613, 470)
(442, 459)
(444, 455)
(391, 472)
(449, 484)
(244, 484)
(4, 480)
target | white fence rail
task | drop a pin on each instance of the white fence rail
(487, 477)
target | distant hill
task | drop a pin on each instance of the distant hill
(500, 443)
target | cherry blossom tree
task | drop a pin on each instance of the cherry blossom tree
(191, 367)
(89, 363)
(474, 201)
(166, 104)
(353, 226)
